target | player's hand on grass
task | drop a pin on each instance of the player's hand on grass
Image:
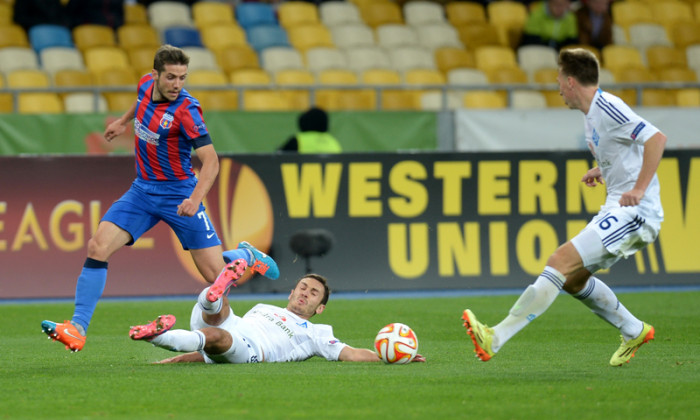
(418, 358)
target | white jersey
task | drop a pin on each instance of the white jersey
(281, 336)
(616, 136)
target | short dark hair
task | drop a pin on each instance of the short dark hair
(580, 64)
(167, 54)
(323, 281)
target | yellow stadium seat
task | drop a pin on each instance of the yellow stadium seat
(221, 36)
(509, 18)
(206, 78)
(448, 58)
(661, 56)
(546, 76)
(391, 99)
(265, 100)
(477, 35)
(6, 100)
(133, 36)
(684, 34)
(676, 74)
(381, 13)
(617, 57)
(465, 12)
(141, 59)
(484, 100)
(626, 13)
(73, 78)
(89, 36)
(217, 100)
(209, 13)
(658, 97)
(329, 98)
(304, 37)
(40, 103)
(5, 14)
(119, 101)
(12, 35)
(117, 77)
(669, 13)
(236, 58)
(298, 99)
(135, 14)
(28, 79)
(423, 77)
(102, 58)
(507, 75)
(494, 57)
(295, 13)
(250, 77)
(688, 97)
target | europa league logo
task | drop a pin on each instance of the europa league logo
(239, 206)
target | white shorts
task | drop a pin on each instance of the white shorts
(241, 351)
(611, 235)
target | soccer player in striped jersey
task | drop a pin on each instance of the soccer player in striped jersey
(168, 124)
(627, 149)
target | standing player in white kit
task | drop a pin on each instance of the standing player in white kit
(628, 150)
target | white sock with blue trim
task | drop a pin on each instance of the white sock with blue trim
(207, 307)
(532, 303)
(180, 340)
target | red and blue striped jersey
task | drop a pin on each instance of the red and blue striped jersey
(164, 134)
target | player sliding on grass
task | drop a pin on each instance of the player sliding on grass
(628, 150)
(168, 124)
(266, 333)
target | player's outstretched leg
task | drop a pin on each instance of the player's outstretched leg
(627, 349)
(481, 335)
(64, 332)
(262, 263)
(227, 278)
(153, 329)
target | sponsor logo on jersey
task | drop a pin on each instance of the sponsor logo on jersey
(143, 133)
(637, 129)
(167, 120)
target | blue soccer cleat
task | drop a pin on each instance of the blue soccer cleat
(262, 263)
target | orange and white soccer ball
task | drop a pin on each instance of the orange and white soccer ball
(396, 343)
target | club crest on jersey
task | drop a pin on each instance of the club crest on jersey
(167, 120)
(595, 137)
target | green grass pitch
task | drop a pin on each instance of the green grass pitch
(556, 368)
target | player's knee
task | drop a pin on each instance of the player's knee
(96, 250)
(218, 341)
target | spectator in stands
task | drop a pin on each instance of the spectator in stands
(313, 135)
(27, 13)
(551, 23)
(594, 23)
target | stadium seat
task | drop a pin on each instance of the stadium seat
(660, 56)
(684, 34)
(48, 36)
(296, 13)
(119, 101)
(352, 35)
(645, 35)
(390, 99)
(464, 78)
(39, 103)
(319, 59)
(448, 58)
(265, 36)
(493, 57)
(163, 14)
(436, 101)
(135, 14)
(528, 99)
(206, 78)
(462, 13)
(534, 57)
(438, 35)
(6, 13)
(19, 79)
(182, 37)
(422, 77)
(82, 102)
(103, 58)
(619, 35)
(507, 75)
(616, 57)
(206, 98)
(477, 35)
(545, 75)
(134, 36)
(265, 100)
(91, 36)
(363, 58)
(688, 97)
(313, 35)
(356, 100)
(692, 54)
(658, 98)
(54, 59)
(380, 76)
(17, 58)
(250, 77)
(6, 100)
(201, 58)
(117, 77)
(381, 13)
(406, 58)
(280, 58)
(334, 13)
(141, 59)
(675, 74)
(329, 98)
(211, 13)
(236, 58)
(626, 13)
(221, 36)
(394, 35)
(298, 99)
(12, 35)
(669, 13)
(218, 100)
(73, 78)
(484, 100)
(420, 13)
(509, 18)
(255, 14)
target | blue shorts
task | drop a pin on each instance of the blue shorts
(146, 203)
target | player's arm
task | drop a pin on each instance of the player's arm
(352, 354)
(193, 357)
(118, 126)
(207, 175)
(653, 152)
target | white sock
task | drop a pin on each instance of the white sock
(603, 302)
(210, 308)
(180, 340)
(531, 304)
